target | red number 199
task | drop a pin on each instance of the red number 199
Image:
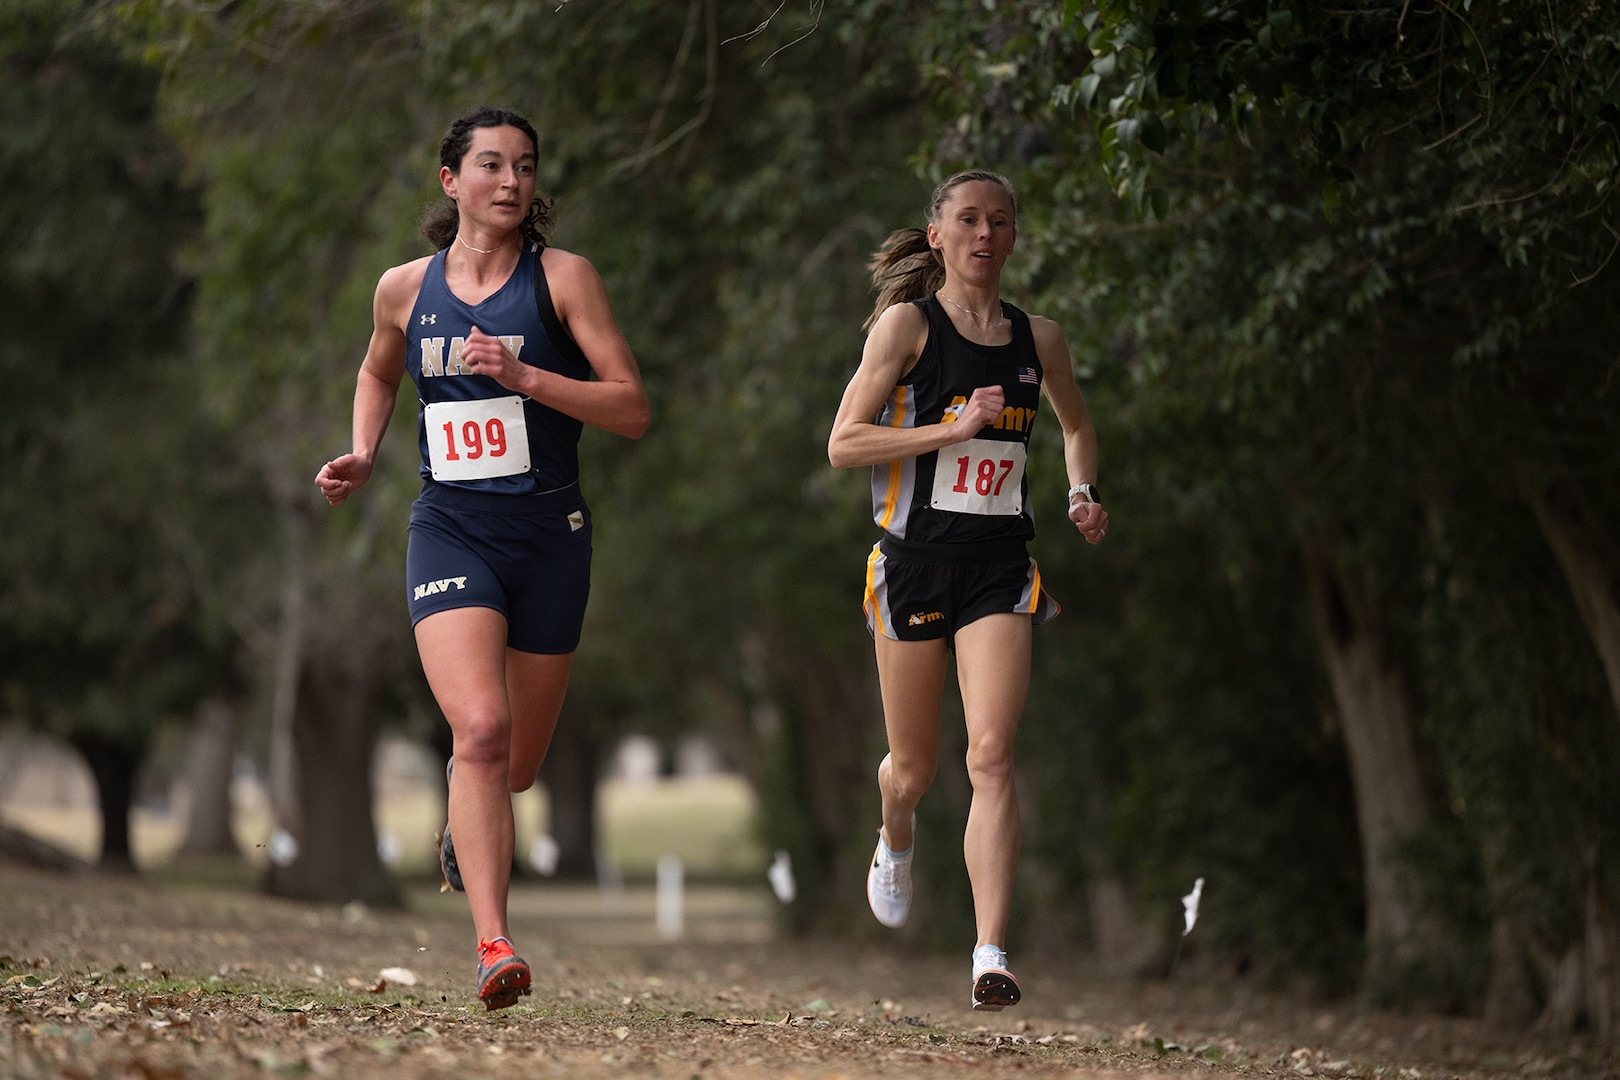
(473, 439)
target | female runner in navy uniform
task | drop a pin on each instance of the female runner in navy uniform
(941, 407)
(502, 336)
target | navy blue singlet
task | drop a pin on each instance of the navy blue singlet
(435, 337)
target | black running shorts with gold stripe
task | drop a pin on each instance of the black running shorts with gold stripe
(922, 592)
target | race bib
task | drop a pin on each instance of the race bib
(980, 476)
(476, 440)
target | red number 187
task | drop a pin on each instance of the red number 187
(986, 482)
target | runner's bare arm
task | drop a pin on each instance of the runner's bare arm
(377, 385)
(1079, 436)
(893, 346)
(615, 399)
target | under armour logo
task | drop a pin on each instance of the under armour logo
(428, 320)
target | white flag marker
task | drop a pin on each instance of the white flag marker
(1190, 903)
(781, 877)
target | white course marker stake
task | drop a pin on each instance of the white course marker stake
(671, 885)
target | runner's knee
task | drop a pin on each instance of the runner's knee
(908, 780)
(482, 737)
(522, 776)
(990, 761)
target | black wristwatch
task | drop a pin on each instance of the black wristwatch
(1088, 490)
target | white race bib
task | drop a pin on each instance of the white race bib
(476, 440)
(980, 476)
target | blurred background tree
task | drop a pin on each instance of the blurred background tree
(1336, 288)
(1363, 253)
(108, 625)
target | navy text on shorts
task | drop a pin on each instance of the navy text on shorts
(525, 556)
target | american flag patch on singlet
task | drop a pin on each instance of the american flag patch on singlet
(1028, 375)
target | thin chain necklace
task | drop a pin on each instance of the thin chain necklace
(481, 251)
(973, 314)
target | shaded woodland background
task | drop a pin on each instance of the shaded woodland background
(1339, 285)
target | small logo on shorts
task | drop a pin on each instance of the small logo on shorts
(925, 617)
(576, 521)
(433, 588)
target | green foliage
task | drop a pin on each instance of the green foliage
(1341, 285)
(103, 620)
(306, 205)
(1321, 271)
(1511, 716)
(1517, 105)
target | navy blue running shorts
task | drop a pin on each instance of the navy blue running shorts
(526, 556)
(924, 592)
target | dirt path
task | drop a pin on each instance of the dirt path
(113, 978)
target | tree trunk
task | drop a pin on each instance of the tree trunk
(1509, 996)
(286, 670)
(1592, 576)
(210, 768)
(334, 738)
(1580, 981)
(1564, 991)
(1374, 715)
(570, 773)
(819, 717)
(1584, 554)
(1598, 959)
(112, 764)
(1126, 947)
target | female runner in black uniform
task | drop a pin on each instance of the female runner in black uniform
(941, 407)
(502, 336)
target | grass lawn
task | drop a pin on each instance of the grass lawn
(707, 821)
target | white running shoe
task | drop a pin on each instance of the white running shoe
(888, 883)
(994, 987)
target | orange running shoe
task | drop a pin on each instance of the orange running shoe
(502, 976)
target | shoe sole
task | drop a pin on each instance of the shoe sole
(447, 862)
(994, 991)
(503, 988)
(447, 850)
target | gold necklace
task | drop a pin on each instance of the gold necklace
(481, 251)
(973, 314)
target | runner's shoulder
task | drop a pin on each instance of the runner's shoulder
(901, 325)
(398, 287)
(567, 271)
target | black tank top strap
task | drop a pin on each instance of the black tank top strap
(1023, 335)
(929, 359)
